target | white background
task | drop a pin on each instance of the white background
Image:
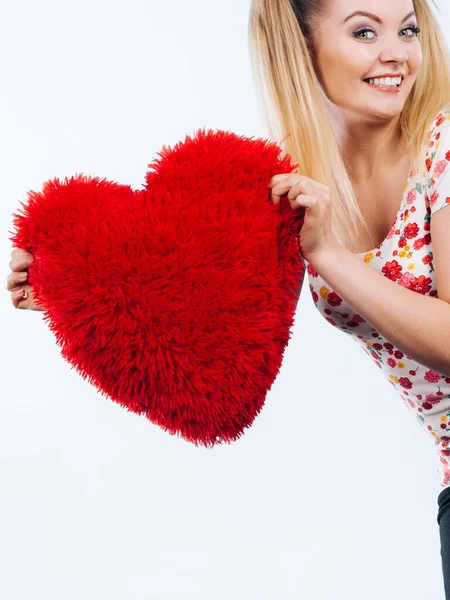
(331, 494)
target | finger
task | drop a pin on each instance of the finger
(20, 262)
(314, 183)
(282, 185)
(276, 178)
(293, 178)
(305, 201)
(308, 187)
(19, 252)
(15, 279)
(18, 300)
(278, 194)
(293, 185)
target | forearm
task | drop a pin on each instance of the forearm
(417, 325)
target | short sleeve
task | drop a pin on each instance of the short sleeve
(438, 165)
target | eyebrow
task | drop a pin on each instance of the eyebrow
(374, 17)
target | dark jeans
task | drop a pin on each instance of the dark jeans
(443, 520)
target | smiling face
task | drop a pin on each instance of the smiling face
(353, 48)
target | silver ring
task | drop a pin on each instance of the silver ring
(25, 295)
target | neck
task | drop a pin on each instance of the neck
(369, 164)
(369, 148)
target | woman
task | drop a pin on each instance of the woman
(363, 104)
(374, 173)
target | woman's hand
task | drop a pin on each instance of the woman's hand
(17, 280)
(315, 235)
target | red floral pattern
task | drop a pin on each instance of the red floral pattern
(406, 257)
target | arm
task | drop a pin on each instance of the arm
(417, 325)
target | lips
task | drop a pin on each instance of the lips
(392, 89)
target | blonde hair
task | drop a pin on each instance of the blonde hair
(282, 57)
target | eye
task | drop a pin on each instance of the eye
(414, 31)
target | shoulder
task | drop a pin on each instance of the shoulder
(438, 162)
(438, 141)
(440, 125)
(442, 118)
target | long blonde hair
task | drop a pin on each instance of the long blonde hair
(294, 111)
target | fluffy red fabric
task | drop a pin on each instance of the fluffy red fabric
(176, 300)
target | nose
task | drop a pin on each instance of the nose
(394, 50)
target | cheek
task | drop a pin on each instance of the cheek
(352, 61)
(340, 62)
(415, 62)
(417, 59)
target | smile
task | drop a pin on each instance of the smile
(395, 89)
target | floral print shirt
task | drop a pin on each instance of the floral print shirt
(406, 256)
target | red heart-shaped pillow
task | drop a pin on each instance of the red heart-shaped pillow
(176, 300)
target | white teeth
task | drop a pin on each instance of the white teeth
(386, 81)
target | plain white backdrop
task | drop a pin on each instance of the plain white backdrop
(331, 494)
